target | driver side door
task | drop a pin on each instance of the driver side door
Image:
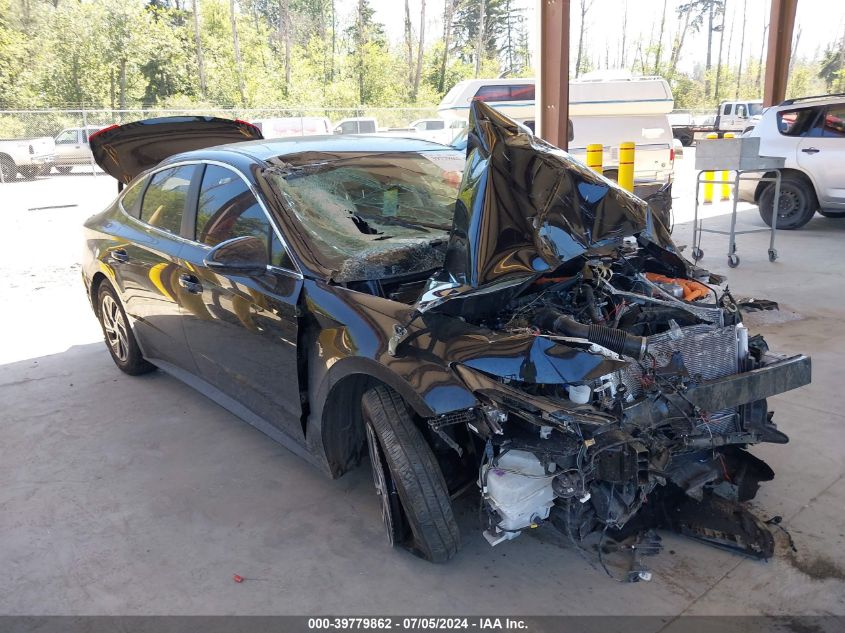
(242, 329)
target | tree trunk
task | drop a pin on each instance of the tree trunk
(660, 39)
(285, 39)
(708, 62)
(239, 71)
(741, 48)
(721, 42)
(334, 37)
(624, 37)
(198, 43)
(409, 46)
(760, 65)
(679, 43)
(360, 52)
(419, 52)
(580, 56)
(122, 94)
(448, 15)
(479, 45)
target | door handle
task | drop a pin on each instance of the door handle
(190, 283)
(811, 150)
(120, 255)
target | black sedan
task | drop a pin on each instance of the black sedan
(503, 320)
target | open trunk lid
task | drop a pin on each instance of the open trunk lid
(124, 151)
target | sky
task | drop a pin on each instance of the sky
(819, 21)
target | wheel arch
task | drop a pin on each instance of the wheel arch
(96, 281)
(787, 171)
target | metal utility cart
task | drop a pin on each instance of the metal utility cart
(742, 156)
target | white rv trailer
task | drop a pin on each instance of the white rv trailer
(607, 111)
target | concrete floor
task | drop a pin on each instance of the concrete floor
(129, 495)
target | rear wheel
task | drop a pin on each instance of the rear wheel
(8, 170)
(796, 206)
(416, 507)
(120, 339)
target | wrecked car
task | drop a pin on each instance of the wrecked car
(504, 321)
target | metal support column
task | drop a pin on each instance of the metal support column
(553, 88)
(781, 24)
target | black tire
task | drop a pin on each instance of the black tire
(426, 506)
(8, 170)
(29, 172)
(685, 140)
(118, 335)
(63, 169)
(797, 203)
(831, 214)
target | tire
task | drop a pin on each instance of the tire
(118, 334)
(797, 203)
(64, 169)
(831, 214)
(432, 530)
(29, 172)
(8, 170)
(685, 140)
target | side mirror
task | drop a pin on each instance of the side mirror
(239, 256)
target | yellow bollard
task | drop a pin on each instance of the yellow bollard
(626, 166)
(594, 156)
(726, 188)
(709, 177)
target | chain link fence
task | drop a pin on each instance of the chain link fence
(29, 137)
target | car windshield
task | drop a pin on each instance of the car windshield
(754, 109)
(373, 215)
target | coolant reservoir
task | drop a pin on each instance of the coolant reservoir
(519, 489)
(580, 394)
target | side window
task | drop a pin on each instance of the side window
(228, 209)
(131, 199)
(505, 93)
(834, 122)
(740, 110)
(350, 127)
(68, 137)
(797, 122)
(84, 133)
(435, 125)
(728, 108)
(164, 200)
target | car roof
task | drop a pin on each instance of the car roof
(812, 101)
(267, 149)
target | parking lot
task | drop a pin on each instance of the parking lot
(153, 509)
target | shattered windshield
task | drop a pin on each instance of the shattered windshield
(374, 215)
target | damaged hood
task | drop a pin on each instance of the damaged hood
(525, 208)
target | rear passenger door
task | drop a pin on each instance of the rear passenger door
(146, 264)
(821, 154)
(242, 330)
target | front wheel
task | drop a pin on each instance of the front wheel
(408, 480)
(796, 205)
(8, 169)
(120, 339)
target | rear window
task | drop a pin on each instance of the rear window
(798, 122)
(834, 122)
(505, 93)
(131, 199)
(164, 200)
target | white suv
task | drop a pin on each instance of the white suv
(810, 134)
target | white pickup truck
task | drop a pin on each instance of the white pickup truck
(26, 156)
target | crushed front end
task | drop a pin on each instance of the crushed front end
(620, 390)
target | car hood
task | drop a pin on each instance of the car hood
(525, 208)
(124, 151)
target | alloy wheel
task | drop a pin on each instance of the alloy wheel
(380, 480)
(114, 327)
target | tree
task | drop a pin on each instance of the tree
(198, 45)
(448, 17)
(236, 48)
(741, 47)
(419, 52)
(409, 45)
(660, 39)
(585, 8)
